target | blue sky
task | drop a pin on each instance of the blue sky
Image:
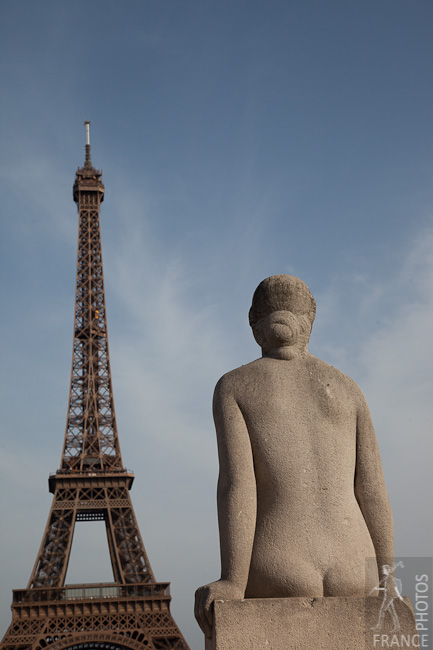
(237, 140)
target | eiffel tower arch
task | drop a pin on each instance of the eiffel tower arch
(133, 611)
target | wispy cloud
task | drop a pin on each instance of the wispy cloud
(35, 181)
(379, 331)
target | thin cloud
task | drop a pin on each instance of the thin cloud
(390, 355)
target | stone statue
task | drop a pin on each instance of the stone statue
(302, 502)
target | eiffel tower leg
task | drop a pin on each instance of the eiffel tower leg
(128, 548)
(52, 561)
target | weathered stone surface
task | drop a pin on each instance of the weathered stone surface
(302, 502)
(309, 624)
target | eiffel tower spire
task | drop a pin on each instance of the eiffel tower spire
(132, 611)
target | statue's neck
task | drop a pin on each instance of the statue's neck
(286, 352)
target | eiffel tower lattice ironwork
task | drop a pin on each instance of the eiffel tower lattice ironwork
(133, 611)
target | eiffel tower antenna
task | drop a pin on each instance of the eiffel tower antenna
(133, 611)
(87, 162)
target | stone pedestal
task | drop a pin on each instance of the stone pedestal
(310, 624)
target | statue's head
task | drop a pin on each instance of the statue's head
(282, 313)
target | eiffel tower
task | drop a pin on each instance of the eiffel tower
(133, 611)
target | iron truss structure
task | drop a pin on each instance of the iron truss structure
(132, 612)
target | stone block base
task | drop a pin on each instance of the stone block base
(310, 624)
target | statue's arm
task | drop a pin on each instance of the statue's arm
(236, 494)
(236, 498)
(370, 489)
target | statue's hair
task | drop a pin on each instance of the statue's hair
(282, 293)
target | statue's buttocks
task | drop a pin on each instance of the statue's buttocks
(302, 502)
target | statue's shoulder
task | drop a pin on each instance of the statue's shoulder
(326, 371)
(232, 380)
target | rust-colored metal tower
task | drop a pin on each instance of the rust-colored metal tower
(133, 611)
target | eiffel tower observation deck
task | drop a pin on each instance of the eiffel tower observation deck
(133, 611)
